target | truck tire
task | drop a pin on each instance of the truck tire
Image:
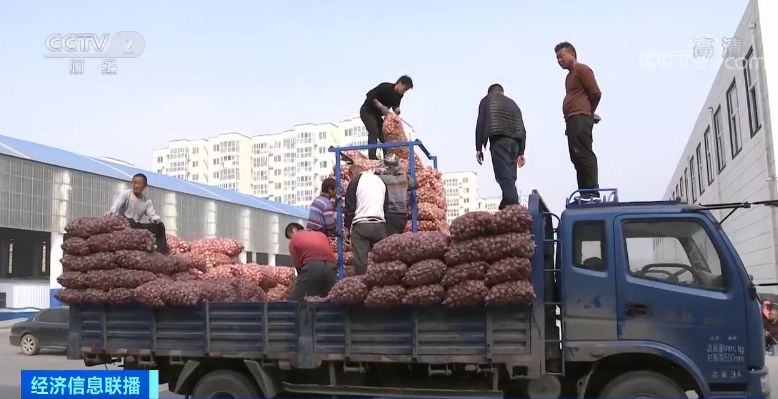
(225, 384)
(642, 384)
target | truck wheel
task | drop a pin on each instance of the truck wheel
(642, 384)
(225, 384)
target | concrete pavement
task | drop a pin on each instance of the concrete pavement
(13, 362)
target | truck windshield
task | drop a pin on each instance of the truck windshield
(673, 251)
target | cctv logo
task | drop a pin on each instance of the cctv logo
(126, 44)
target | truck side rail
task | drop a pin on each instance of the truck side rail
(305, 335)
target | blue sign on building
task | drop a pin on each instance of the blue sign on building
(90, 384)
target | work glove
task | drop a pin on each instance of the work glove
(155, 219)
(109, 213)
(596, 118)
(396, 110)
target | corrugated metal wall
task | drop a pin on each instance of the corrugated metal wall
(26, 294)
(36, 196)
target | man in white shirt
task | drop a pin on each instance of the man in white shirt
(364, 213)
(139, 211)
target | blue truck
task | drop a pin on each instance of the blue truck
(634, 299)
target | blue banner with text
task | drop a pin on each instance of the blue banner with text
(90, 384)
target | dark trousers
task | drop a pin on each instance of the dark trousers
(395, 223)
(158, 230)
(314, 279)
(504, 151)
(363, 237)
(374, 124)
(579, 142)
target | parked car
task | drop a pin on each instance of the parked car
(47, 329)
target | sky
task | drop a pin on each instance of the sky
(263, 66)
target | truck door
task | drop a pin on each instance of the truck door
(588, 284)
(676, 289)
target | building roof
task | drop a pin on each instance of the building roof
(53, 156)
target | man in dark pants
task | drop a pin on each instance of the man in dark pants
(500, 123)
(136, 207)
(314, 260)
(582, 95)
(377, 104)
(364, 214)
(397, 208)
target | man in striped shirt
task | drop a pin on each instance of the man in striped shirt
(321, 216)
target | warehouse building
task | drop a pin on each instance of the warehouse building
(731, 153)
(43, 188)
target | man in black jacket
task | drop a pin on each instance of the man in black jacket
(379, 100)
(500, 123)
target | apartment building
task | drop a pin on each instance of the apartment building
(287, 166)
(731, 155)
(461, 193)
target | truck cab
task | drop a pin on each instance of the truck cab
(655, 300)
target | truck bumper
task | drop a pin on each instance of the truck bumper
(759, 383)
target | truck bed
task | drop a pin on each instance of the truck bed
(305, 335)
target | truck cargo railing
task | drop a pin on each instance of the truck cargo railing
(339, 157)
(303, 335)
(547, 281)
(611, 196)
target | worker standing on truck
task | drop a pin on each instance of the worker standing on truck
(321, 213)
(379, 101)
(397, 207)
(500, 123)
(364, 213)
(582, 95)
(137, 208)
(316, 264)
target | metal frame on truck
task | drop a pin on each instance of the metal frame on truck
(339, 157)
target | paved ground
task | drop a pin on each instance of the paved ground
(12, 362)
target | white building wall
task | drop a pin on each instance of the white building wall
(748, 170)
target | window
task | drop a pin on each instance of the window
(322, 135)
(683, 191)
(673, 251)
(677, 192)
(708, 163)
(59, 315)
(689, 194)
(160, 159)
(693, 182)
(721, 160)
(735, 139)
(196, 150)
(752, 90)
(195, 164)
(588, 248)
(700, 183)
